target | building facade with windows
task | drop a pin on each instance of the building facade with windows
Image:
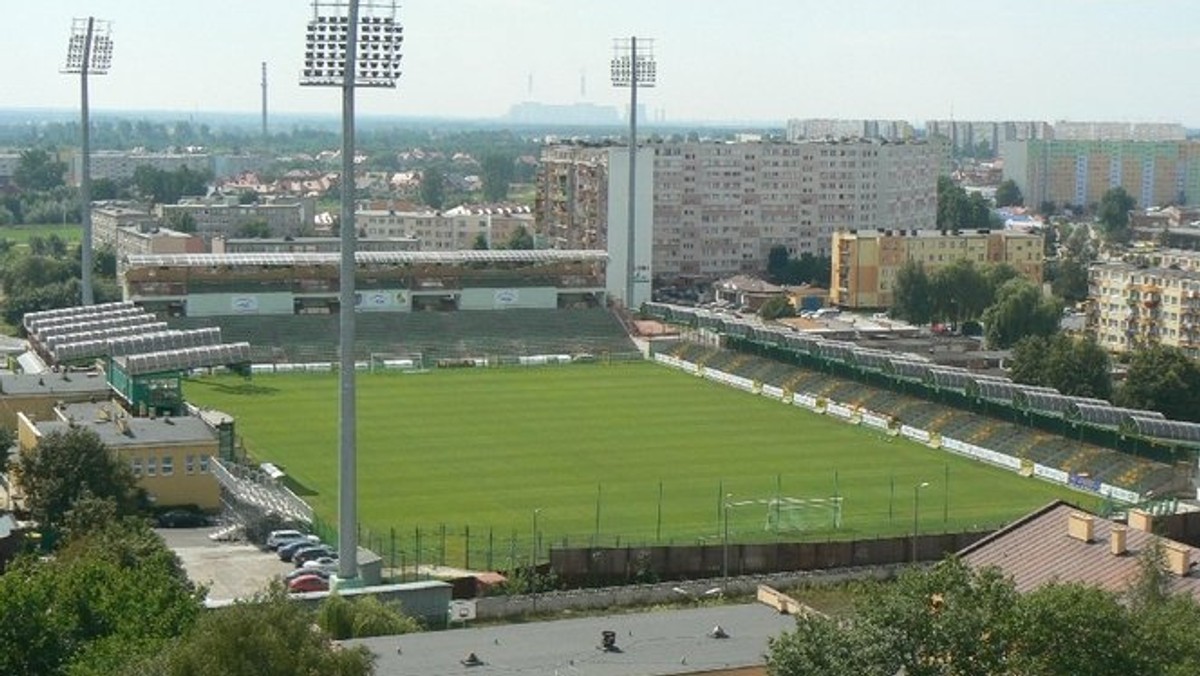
(719, 208)
(1078, 173)
(866, 262)
(1134, 305)
(463, 227)
(169, 456)
(120, 165)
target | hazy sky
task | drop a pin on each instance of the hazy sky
(733, 60)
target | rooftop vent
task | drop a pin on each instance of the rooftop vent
(1178, 558)
(1141, 520)
(1117, 537)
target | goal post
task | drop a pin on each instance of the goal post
(784, 515)
(389, 361)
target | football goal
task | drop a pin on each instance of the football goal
(784, 515)
(409, 361)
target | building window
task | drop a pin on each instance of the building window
(203, 464)
(136, 466)
(168, 465)
(189, 464)
(151, 466)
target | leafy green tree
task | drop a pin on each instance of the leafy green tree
(960, 292)
(956, 210)
(166, 187)
(776, 307)
(520, 239)
(912, 294)
(1008, 194)
(433, 188)
(105, 189)
(497, 175)
(254, 230)
(809, 269)
(1019, 311)
(37, 170)
(480, 243)
(821, 645)
(181, 221)
(247, 197)
(8, 439)
(1047, 208)
(777, 263)
(66, 466)
(1076, 367)
(1113, 214)
(1070, 281)
(364, 616)
(1164, 379)
(1075, 629)
(267, 636)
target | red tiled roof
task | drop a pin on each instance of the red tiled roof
(1036, 551)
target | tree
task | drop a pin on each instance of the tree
(1019, 311)
(246, 197)
(266, 636)
(1070, 281)
(1164, 379)
(433, 187)
(1114, 210)
(1047, 208)
(497, 175)
(1008, 194)
(520, 239)
(365, 616)
(956, 210)
(777, 263)
(960, 292)
(254, 230)
(912, 294)
(38, 171)
(182, 221)
(776, 307)
(8, 439)
(66, 466)
(480, 243)
(1079, 368)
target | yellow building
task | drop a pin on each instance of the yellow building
(1133, 307)
(170, 456)
(36, 395)
(866, 262)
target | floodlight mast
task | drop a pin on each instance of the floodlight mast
(89, 50)
(332, 60)
(633, 70)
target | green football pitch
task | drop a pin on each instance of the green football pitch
(606, 454)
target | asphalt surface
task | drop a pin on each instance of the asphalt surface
(230, 570)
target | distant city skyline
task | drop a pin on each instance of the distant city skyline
(1122, 60)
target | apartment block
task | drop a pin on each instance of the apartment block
(224, 217)
(965, 136)
(820, 128)
(119, 165)
(451, 230)
(1078, 173)
(719, 208)
(1133, 306)
(866, 262)
(1119, 131)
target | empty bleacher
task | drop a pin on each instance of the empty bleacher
(314, 338)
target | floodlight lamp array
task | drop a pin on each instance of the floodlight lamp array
(378, 51)
(624, 63)
(100, 58)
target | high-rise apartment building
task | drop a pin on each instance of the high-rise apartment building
(120, 165)
(1119, 131)
(452, 230)
(866, 262)
(966, 136)
(821, 128)
(1078, 173)
(1135, 306)
(719, 208)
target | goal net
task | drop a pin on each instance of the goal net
(785, 515)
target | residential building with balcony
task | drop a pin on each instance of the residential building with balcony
(224, 217)
(452, 230)
(1133, 306)
(119, 165)
(866, 262)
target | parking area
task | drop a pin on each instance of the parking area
(231, 570)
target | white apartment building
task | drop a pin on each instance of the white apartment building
(718, 208)
(823, 128)
(1119, 131)
(1134, 306)
(120, 165)
(451, 230)
(223, 218)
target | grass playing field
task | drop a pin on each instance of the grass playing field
(587, 448)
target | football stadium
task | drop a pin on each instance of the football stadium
(506, 409)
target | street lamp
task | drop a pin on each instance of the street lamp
(632, 68)
(89, 51)
(916, 516)
(332, 58)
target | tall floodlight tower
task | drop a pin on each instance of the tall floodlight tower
(333, 57)
(89, 52)
(633, 66)
(264, 100)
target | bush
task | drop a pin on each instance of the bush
(363, 617)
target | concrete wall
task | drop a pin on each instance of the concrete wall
(618, 224)
(216, 304)
(543, 298)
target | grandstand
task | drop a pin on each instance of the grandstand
(1083, 459)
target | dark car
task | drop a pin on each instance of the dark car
(287, 551)
(182, 518)
(310, 553)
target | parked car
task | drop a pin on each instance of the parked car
(325, 563)
(289, 548)
(301, 572)
(277, 538)
(308, 583)
(183, 518)
(310, 553)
